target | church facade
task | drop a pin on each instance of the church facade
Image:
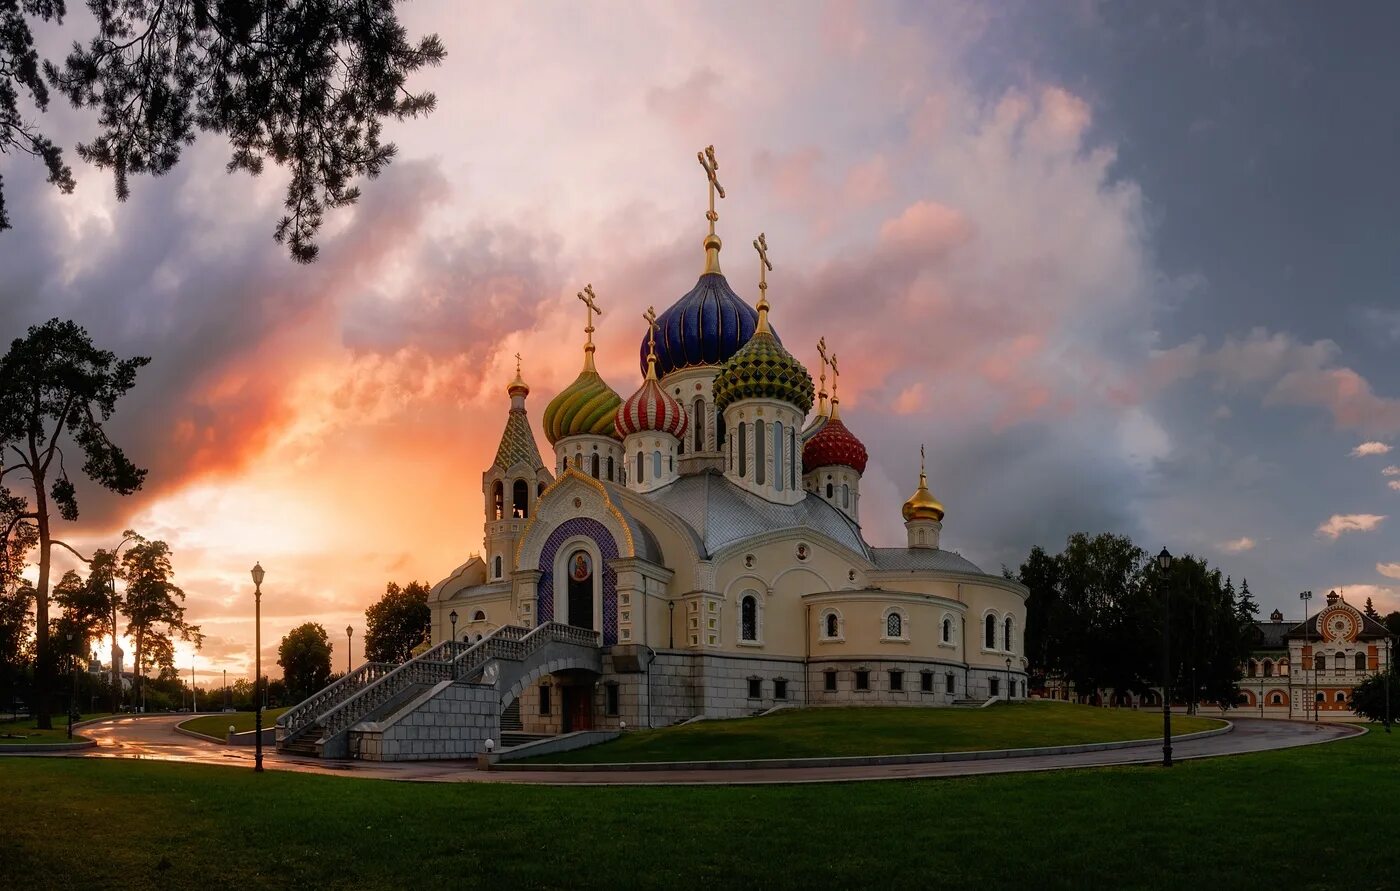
(706, 531)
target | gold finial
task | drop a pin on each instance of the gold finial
(518, 386)
(835, 379)
(760, 244)
(650, 316)
(821, 394)
(589, 298)
(712, 242)
(922, 505)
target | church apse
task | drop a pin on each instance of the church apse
(580, 577)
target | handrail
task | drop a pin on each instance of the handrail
(305, 712)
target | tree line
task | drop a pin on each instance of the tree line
(1095, 614)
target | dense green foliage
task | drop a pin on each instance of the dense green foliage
(1202, 824)
(1368, 699)
(397, 622)
(305, 657)
(57, 389)
(1095, 616)
(306, 85)
(830, 732)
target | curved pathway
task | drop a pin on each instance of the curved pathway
(155, 738)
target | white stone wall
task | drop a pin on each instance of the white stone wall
(454, 722)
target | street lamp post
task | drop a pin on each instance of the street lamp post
(73, 683)
(1305, 596)
(452, 617)
(349, 633)
(1388, 669)
(116, 674)
(258, 574)
(1008, 678)
(1164, 563)
(671, 621)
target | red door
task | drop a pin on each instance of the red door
(578, 709)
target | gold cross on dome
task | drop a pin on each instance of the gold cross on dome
(835, 375)
(650, 316)
(765, 265)
(707, 161)
(517, 365)
(821, 393)
(589, 300)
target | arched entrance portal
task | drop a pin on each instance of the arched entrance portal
(580, 589)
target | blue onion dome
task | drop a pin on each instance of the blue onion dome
(705, 327)
(763, 369)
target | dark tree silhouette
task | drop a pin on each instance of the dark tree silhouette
(305, 657)
(305, 84)
(154, 608)
(397, 623)
(56, 390)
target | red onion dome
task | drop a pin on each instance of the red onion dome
(834, 443)
(651, 409)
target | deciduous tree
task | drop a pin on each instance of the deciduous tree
(57, 389)
(397, 623)
(306, 85)
(305, 657)
(154, 608)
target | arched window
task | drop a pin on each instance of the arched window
(640, 461)
(1253, 668)
(520, 495)
(656, 465)
(894, 624)
(845, 496)
(697, 419)
(497, 567)
(1268, 668)
(610, 469)
(744, 451)
(748, 617)
(778, 475)
(1276, 699)
(833, 625)
(830, 491)
(1341, 697)
(1006, 635)
(720, 437)
(760, 453)
(947, 630)
(1360, 661)
(991, 632)
(793, 456)
(596, 466)
(498, 498)
(479, 616)
(1322, 697)
(578, 463)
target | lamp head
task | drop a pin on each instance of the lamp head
(349, 630)
(452, 617)
(258, 574)
(1164, 560)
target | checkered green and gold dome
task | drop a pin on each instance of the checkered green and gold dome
(763, 369)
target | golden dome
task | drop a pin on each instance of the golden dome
(922, 505)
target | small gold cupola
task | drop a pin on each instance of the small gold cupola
(923, 513)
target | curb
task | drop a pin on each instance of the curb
(37, 748)
(861, 760)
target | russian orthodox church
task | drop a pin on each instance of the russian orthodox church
(691, 550)
(707, 529)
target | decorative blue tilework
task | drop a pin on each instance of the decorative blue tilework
(544, 595)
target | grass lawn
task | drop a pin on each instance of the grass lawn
(1207, 824)
(217, 725)
(25, 732)
(821, 732)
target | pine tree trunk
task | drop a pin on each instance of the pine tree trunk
(43, 669)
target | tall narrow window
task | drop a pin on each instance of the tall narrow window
(778, 474)
(948, 682)
(894, 624)
(610, 469)
(697, 418)
(845, 496)
(1360, 661)
(829, 683)
(640, 461)
(748, 621)
(596, 466)
(833, 625)
(896, 680)
(498, 499)
(1006, 636)
(792, 457)
(947, 630)
(497, 573)
(760, 453)
(991, 636)
(544, 699)
(521, 497)
(830, 490)
(719, 431)
(744, 451)
(655, 465)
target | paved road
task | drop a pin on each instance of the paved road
(155, 738)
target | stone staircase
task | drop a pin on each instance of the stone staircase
(972, 703)
(320, 726)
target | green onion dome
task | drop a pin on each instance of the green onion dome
(763, 369)
(587, 406)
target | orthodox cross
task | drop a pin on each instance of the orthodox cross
(760, 244)
(835, 376)
(517, 365)
(821, 351)
(588, 298)
(650, 316)
(707, 161)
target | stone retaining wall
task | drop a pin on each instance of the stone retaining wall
(450, 720)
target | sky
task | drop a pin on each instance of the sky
(1122, 267)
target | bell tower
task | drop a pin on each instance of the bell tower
(512, 485)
